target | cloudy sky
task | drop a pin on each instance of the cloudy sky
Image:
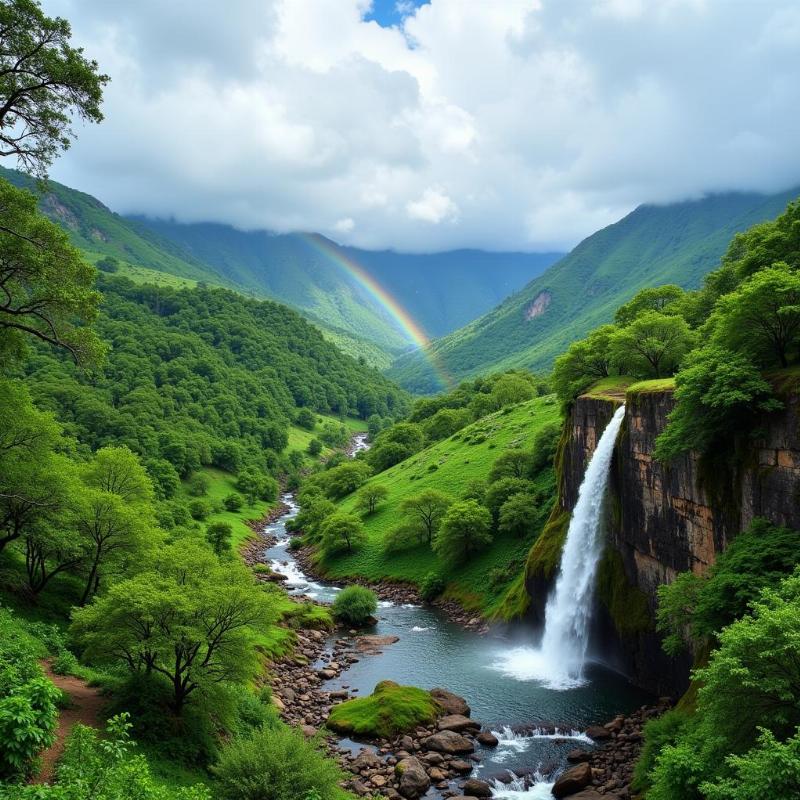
(502, 124)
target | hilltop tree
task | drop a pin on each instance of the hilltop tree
(44, 84)
(653, 345)
(585, 362)
(465, 529)
(654, 298)
(762, 317)
(425, 511)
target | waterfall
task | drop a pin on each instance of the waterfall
(558, 661)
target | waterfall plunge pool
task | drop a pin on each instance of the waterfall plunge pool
(432, 651)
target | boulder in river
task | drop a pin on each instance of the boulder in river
(448, 742)
(413, 780)
(487, 739)
(457, 723)
(572, 781)
(475, 787)
(598, 733)
(451, 703)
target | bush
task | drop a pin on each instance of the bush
(199, 484)
(232, 501)
(199, 509)
(355, 605)
(306, 419)
(275, 764)
(432, 586)
(314, 447)
(218, 535)
(391, 709)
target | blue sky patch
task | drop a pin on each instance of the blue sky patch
(392, 12)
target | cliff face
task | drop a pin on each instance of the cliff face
(666, 519)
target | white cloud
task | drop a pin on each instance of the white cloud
(524, 124)
(434, 206)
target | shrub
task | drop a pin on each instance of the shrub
(432, 586)
(391, 709)
(306, 419)
(199, 509)
(314, 447)
(355, 605)
(199, 484)
(218, 535)
(232, 501)
(275, 764)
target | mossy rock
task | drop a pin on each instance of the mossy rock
(390, 710)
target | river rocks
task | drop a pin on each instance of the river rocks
(487, 739)
(451, 703)
(413, 780)
(457, 723)
(578, 756)
(573, 780)
(448, 742)
(460, 766)
(476, 788)
(598, 733)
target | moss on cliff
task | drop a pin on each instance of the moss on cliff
(626, 604)
(516, 601)
(545, 554)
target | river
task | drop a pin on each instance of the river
(432, 651)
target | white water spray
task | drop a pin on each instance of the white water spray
(558, 662)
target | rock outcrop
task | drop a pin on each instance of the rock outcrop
(666, 519)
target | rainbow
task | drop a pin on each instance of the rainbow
(402, 319)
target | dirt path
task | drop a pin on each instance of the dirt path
(85, 709)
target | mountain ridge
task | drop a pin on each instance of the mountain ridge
(654, 244)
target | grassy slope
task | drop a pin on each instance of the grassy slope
(678, 243)
(456, 462)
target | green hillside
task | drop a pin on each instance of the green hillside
(678, 243)
(450, 466)
(440, 291)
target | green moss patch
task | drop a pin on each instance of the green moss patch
(626, 604)
(390, 710)
(612, 388)
(545, 554)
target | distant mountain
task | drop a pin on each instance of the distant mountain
(440, 291)
(677, 243)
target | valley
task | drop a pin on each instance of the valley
(333, 469)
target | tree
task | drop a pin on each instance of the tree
(510, 389)
(344, 479)
(465, 529)
(112, 529)
(117, 470)
(585, 362)
(49, 550)
(652, 346)
(314, 448)
(518, 513)
(199, 484)
(655, 298)
(762, 317)
(108, 264)
(306, 419)
(219, 535)
(514, 463)
(501, 490)
(45, 283)
(718, 391)
(187, 616)
(342, 532)
(369, 496)
(232, 501)
(44, 83)
(446, 422)
(751, 685)
(426, 510)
